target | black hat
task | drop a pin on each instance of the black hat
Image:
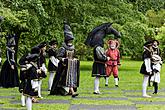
(41, 45)
(148, 43)
(53, 42)
(156, 41)
(11, 40)
(68, 32)
(35, 50)
(32, 57)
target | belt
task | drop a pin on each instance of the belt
(99, 62)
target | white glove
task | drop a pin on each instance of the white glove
(43, 68)
(63, 59)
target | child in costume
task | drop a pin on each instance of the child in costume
(23, 62)
(31, 81)
(42, 65)
(112, 64)
(156, 66)
(53, 61)
(146, 68)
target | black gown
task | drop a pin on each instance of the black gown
(9, 77)
(61, 78)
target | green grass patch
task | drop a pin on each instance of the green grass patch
(51, 106)
(101, 102)
(130, 85)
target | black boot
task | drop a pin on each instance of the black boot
(149, 82)
(155, 84)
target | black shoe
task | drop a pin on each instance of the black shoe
(106, 84)
(154, 93)
(97, 93)
(116, 86)
(74, 95)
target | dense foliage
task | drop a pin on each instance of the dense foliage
(42, 20)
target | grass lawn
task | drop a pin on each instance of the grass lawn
(130, 86)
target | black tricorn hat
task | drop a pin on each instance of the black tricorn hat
(42, 44)
(35, 50)
(148, 43)
(53, 42)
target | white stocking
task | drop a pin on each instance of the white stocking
(144, 85)
(96, 84)
(39, 88)
(29, 103)
(116, 81)
(106, 80)
(51, 77)
(23, 100)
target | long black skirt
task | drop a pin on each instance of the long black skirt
(9, 77)
(61, 79)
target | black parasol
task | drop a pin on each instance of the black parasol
(96, 36)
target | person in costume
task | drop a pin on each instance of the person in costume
(156, 65)
(146, 68)
(95, 40)
(9, 72)
(31, 82)
(53, 61)
(112, 64)
(98, 68)
(66, 79)
(42, 65)
(24, 65)
(23, 62)
(37, 50)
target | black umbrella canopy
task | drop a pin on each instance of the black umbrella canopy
(96, 36)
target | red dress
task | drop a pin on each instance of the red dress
(112, 64)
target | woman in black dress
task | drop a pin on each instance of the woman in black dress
(9, 73)
(66, 79)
